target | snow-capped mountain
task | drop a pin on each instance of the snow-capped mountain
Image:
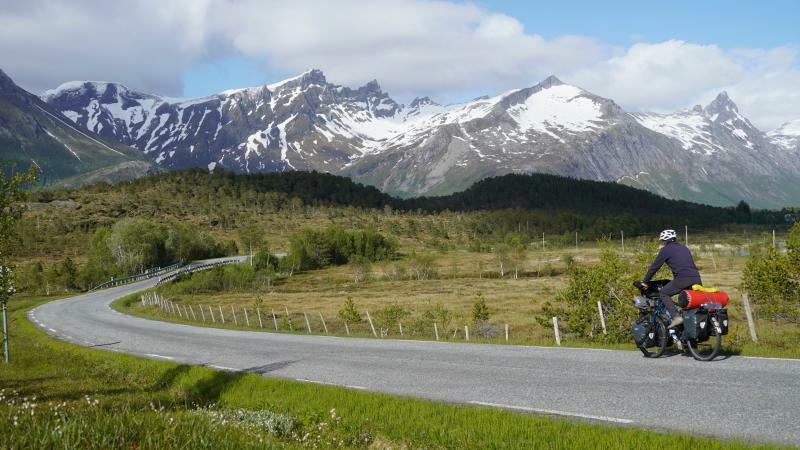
(710, 154)
(34, 133)
(786, 136)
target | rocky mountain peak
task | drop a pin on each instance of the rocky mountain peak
(550, 81)
(419, 102)
(723, 107)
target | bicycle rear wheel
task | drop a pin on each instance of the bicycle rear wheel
(660, 336)
(705, 351)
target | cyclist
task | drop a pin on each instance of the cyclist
(684, 271)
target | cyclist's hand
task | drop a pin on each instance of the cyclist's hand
(645, 286)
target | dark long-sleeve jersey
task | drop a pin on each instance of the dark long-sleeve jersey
(678, 258)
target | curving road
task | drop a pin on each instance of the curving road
(751, 398)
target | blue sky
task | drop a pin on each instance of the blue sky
(645, 55)
(729, 24)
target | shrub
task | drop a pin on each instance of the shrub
(387, 318)
(314, 249)
(610, 282)
(421, 266)
(360, 268)
(486, 329)
(772, 279)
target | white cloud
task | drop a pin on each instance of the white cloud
(412, 47)
(675, 74)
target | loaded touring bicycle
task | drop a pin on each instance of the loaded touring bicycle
(705, 321)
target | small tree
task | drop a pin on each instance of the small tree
(349, 313)
(480, 311)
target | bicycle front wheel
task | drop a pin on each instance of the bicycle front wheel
(660, 337)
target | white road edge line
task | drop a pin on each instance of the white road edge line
(768, 358)
(349, 386)
(229, 369)
(153, 355)
(552, 412)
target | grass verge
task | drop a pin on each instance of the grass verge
(59, 395)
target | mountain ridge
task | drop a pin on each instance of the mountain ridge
(423, 148)
(32, 132)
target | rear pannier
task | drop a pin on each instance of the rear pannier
(722, 320)
(696, 325)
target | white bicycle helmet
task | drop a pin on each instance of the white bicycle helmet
(668, 235)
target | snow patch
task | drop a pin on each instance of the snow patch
(561, 107)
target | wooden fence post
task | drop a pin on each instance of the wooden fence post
(233, 312)
(466, 332)
(275, 319)
(308, 324)
(260, 324)
(371, 325)
(506, 332)
(750, 323)
(436, 330)
(246, 317)
(192, 310)
(602, 316)
(221, 316)
(346, 328)
(555, 330)
(324, 325)
(401, 328)
(202, 314)
(211, 311)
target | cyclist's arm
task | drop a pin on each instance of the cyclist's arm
(661, 258)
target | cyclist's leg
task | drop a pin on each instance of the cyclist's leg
(666, 293)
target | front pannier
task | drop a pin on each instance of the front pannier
(643, 334)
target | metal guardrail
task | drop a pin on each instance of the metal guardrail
(197, 268)
(150, 273)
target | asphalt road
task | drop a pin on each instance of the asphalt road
(756, 399)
